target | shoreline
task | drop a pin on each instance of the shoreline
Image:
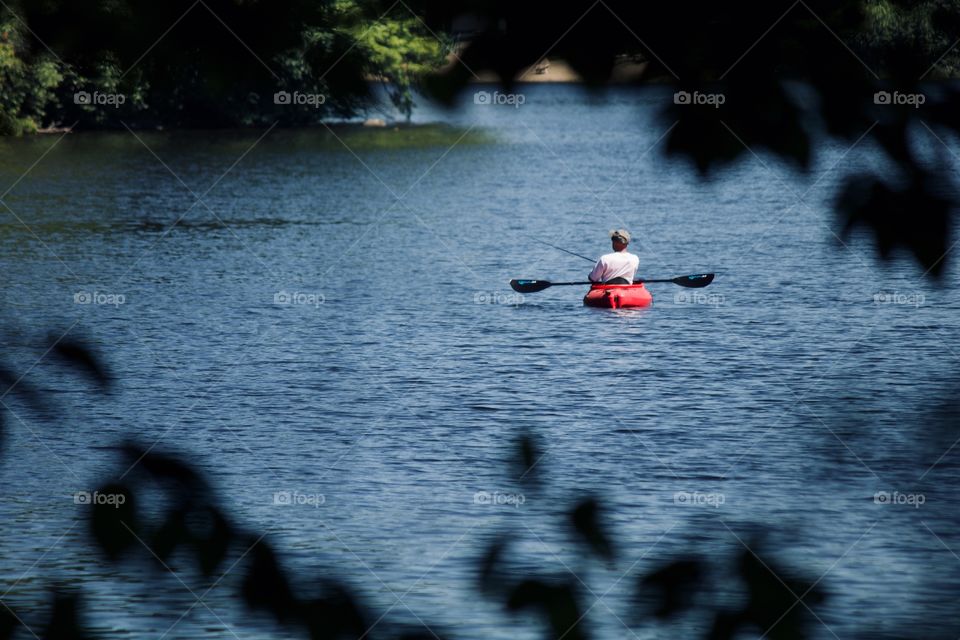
(559, 72)
(549, 72)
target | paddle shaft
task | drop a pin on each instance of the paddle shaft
(694, 281)
(560, 284)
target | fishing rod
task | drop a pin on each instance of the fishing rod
(565, 251)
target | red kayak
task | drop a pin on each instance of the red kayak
(615, 296)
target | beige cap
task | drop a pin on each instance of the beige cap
(620, 234)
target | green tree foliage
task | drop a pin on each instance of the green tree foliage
(212, 64)
(399, 51)
(26, 88)
(927, 30)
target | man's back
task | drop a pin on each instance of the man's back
(618, 264)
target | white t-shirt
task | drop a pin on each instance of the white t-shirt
(618, 264)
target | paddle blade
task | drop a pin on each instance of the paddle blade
(529, 286)
(695, 281)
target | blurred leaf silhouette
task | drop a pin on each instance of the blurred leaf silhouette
(114, 524)
(336, 614)
(527, 454)
(492, 579)
(675, 586)
(915, 217)
(14, 384)
(212, 544)
(81, 356)
(65, 618)
(266, 586)
(8, 623)
(777, 605)
(586, 519)
(556, 602)
(167, 469)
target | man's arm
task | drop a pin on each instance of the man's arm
(597, 274)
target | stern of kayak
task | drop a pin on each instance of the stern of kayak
(618, 296)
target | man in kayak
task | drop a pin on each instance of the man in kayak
(618, 267)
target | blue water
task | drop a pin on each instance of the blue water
(805, 380)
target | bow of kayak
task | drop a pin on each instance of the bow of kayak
(617, 296)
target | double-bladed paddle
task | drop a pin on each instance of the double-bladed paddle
(694, 281)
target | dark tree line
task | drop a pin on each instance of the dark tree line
(210, 64)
